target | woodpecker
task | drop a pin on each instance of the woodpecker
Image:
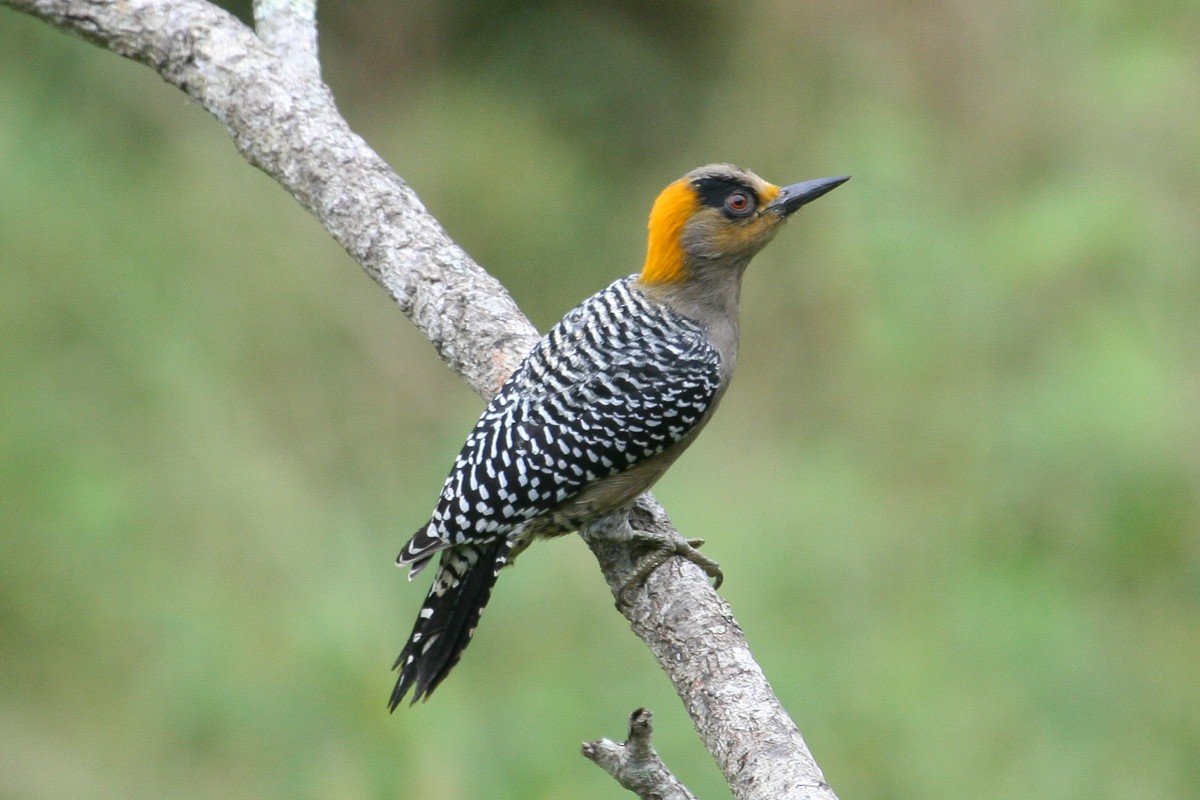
(600, 407)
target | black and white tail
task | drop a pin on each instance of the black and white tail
(448, 617)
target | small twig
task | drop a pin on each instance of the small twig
(289, 27)
(634, 763)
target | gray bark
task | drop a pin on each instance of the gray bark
(267, 93)
(289, 27)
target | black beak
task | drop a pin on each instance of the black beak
(792, 197)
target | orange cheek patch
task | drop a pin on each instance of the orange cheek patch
(664, 254)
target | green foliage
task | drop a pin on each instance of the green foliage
(955, 488)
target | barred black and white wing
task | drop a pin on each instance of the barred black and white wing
(616, 382)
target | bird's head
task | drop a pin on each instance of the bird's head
(718, 217)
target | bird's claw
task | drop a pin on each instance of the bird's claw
(665, 546)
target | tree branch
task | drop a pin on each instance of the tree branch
(287, 125)
(282, 119)
(634, 763)
(289, 27)
(699, 644)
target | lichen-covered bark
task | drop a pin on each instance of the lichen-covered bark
(282, 119)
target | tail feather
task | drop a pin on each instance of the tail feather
(461, 588)
(423, 546)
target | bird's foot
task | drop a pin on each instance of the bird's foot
(662, 546)
(643, 549)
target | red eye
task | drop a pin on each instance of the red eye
(738, 203)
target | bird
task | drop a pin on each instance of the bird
(599, 408)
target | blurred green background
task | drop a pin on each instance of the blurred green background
(955, 488)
